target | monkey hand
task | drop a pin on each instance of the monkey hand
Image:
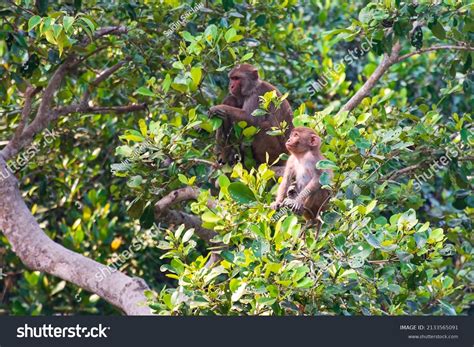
(216, 111)
(295, 205)
(275, 205)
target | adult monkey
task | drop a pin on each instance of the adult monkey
(245, 88)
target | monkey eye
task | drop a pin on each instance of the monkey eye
(235, 78)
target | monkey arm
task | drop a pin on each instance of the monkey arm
(297, 204)
(312, 186)
(284, 185)
(238, 115)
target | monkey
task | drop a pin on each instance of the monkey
(245, 88)
(306, 197)
(225, 150)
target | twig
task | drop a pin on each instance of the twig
(435, 48)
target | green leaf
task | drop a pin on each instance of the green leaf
(135, 181)
(42, 6)
(241, 193)
(325, 179)
(167, 83)
(231, 33)
(435, 236)
(135, 209)
(331, 217)
(57, 29)
(196, 74)
(187, 235)
(372, 240)
(266, 301)
(67, 22)
(210, 217)
(438, 30)
(239, 292)
(420, 239)
(89, 23)
(182, 179)
(210, 33)
(381, 220)
(58, 288)
(261, 20)
(356, 262)
(407, 220)
(33, 22)
(144, 91)
(250, 131)
(246, 56)
(258, 112)
(326, 164)
(223, 181)
(143, 127)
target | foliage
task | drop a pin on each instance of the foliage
(389, 245)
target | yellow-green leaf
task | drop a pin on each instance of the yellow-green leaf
(33, 22)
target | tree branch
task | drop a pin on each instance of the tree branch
(80, 108)
(190, 221)
(100, 78)
(394, 174)
(435, 48)
(25, 114)
(112, 30)
(162, 210)
(47, 114)
(386, 63)
(38, 252)
(44, 115)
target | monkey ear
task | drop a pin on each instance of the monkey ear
(315, 141)
(254, 74)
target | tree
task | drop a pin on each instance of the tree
(381, 250)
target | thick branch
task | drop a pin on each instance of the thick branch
(387, 61)
(162, 210)
(47, 114)
(179, 217)
(38, 252)
(44, 115)
(25, 114)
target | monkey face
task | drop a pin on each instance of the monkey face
(302, 140)
(297, 143)
(235, 85)
(243, 79)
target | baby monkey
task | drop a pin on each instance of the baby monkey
(306, 196)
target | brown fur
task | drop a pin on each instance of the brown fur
(304, 145)
(245, 87)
